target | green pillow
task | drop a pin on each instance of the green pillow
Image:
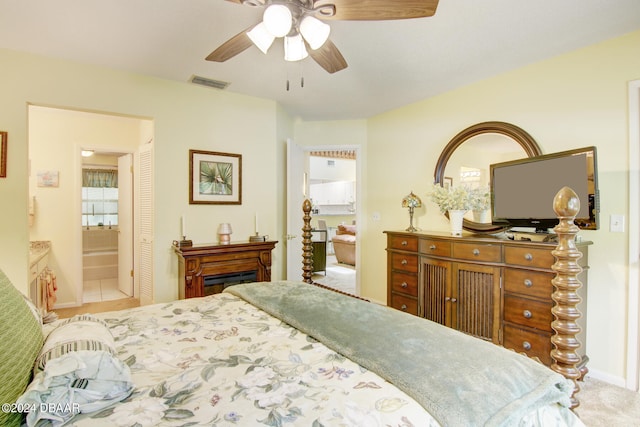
(20, 342)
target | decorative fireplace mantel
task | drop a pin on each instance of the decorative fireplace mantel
(206, 269)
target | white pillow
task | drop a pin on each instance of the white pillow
(77, 371)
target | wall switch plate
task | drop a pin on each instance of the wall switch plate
(616, 223)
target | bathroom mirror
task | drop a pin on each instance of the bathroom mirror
(466, 158)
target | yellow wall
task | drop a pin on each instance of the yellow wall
(185, 117)
(574, 100)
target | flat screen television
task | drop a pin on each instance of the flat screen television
(522, 191)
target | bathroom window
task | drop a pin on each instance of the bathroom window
(99, 206)
(99, 197)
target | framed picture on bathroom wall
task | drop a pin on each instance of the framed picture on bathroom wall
(3, 154)
(215, 178)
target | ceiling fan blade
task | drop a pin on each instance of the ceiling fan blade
(235, 45)
(328, 57)
(377, 10)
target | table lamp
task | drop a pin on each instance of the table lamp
(411, 201)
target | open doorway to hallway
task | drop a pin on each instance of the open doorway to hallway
(332, 191)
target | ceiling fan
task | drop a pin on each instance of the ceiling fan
(300, 23)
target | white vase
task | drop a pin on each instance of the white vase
(455, 221)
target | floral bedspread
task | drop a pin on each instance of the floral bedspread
(219, 361)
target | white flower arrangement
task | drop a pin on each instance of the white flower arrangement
(460, 197)
(480, 199)
(451, 198)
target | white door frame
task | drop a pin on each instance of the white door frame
(633, 295)
(358, 204)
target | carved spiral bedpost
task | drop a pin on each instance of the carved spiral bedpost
(307, 246)
(566, 284)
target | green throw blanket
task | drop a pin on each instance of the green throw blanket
(458, 379)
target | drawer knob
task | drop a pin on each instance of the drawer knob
(526, 345)
(528, 283)
(404, 285)
(454, 300)
(528, 257)
(527, 314)
(403, 307)
(404, 243)
(447, 298)
(404, 262)
(432, 247)
(476, 252)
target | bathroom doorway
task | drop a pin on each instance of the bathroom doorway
(56, 138)
(107, 226)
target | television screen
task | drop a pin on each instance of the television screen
(522, 191)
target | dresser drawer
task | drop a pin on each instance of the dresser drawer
(477, 251)
(529, 257)
(527, 312)
(435, 247)
(406, 304)
(405, 243)
(533, 344)
(404, 262)
(535, 284)
(404, 283)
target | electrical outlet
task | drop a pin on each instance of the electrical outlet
(375, 216)
(616, 223)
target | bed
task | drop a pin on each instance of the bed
(281, 353)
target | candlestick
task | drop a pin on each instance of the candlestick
(183, 227)
(256, 223)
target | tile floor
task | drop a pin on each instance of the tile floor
(101, 290)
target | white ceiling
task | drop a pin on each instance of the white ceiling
(391, 63)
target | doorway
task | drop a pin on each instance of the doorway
(107, 232)
(56, 138)
(336, 187)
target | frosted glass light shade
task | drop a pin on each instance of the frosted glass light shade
(314, 31)
(294, 49)
(278, 20)
(261, 37)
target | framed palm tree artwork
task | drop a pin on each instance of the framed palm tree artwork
(215, 178)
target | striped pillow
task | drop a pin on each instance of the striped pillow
(79, 333)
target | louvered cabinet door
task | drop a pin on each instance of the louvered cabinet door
(476, 301)
(435, 290)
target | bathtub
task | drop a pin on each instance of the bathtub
(99, 253)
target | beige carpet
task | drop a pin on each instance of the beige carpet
(337, 276)
(603, 404)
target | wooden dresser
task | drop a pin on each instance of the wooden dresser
(494, 289)
(208, 268)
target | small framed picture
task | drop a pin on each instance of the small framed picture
(3, 154)
(215, 178)
(47, 178)
(448, 182)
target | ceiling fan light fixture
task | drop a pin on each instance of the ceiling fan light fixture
(294, 49)
(314, 31)
(278, 20)
(261, 37)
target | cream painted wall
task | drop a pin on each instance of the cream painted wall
(573, 100)
(55, 139)
(185, 116)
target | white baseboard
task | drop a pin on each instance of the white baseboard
(607, 378)
(66, 305)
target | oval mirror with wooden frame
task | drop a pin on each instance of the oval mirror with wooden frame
(494, 141)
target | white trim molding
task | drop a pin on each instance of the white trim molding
(633, 294)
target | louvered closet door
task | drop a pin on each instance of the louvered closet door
(476, 301)
(436, 281)
(145, 221)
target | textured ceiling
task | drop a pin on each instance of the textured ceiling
(391, 63)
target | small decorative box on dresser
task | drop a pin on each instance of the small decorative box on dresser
(495, 289)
